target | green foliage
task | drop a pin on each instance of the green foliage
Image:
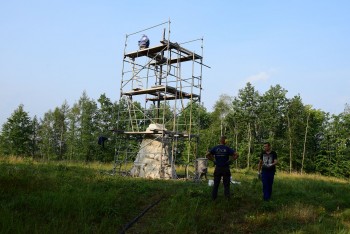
(72, 135)
(107, 121)
(46, 136)
(272, 111)
(306, 139)
(17, 134)
(88, 128)
(52, 133)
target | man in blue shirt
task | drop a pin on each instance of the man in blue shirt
(221, 156)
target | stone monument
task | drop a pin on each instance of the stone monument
(153, 159)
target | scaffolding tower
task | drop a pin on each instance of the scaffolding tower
(160, 85)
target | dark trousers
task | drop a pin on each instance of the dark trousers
(225, 173)
(267, 181)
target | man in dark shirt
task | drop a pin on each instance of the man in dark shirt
(221, 156)
(267, 168)
(143, 42)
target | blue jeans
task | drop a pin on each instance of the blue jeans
(267, 181)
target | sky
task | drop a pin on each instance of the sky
(53, 51)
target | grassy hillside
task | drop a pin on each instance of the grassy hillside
(81, 198)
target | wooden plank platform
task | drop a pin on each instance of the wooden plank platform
(154, 53)
(162, 92)
(172, 61)
(170, 133)
(150, 52)
(163, 98)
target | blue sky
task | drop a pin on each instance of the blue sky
(51, 51)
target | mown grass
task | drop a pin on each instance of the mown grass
(81, 198)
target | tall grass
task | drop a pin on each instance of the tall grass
(61, 197)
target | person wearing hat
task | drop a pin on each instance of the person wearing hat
(143, 42)
(222, 155)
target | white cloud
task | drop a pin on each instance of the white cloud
(261, 76)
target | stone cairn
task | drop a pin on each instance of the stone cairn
(153, 160)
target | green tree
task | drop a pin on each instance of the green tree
(246, 109)
(72, 134)
(314, 137)
(107, 119)
(194, 119)
(46, 136)
(88, 128)
(226, 121)
(34, 137)
(16, 135)
(334, 158)
(308, 113)
(272, 115)
(296, 127)
(60, 129)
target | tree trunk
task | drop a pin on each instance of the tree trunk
(290, 144)
(236, 145)
(306, 130)
(249, 145)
